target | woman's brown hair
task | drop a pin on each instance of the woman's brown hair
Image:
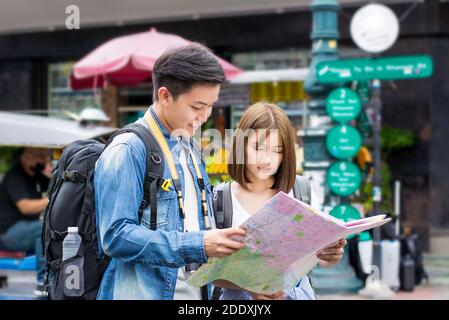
(265, 116)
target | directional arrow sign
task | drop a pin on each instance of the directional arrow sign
(404, 67)
(411, 67)
(344, 70)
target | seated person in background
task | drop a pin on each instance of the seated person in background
(22, 200)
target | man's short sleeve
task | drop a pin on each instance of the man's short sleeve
(16, 187)
(43, 181)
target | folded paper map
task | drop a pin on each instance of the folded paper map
(281, 245)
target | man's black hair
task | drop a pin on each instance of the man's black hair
(179, 69)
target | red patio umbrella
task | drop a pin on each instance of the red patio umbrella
(129, 60)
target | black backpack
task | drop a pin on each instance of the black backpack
(222, 205)
(72, 204)
(411, 246)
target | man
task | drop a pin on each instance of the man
(22, 200)
(155, 264)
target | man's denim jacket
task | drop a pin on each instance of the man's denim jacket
(144, 262)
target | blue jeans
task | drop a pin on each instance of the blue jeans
(25, 236)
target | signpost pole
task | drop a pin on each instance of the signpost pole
(363, 34)
(373, 38)
(375, 286)
(340, 278)
(377, 194)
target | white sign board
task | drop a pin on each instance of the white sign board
(374, 28)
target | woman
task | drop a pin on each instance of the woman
(262, 163)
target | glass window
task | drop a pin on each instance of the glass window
(61, 98)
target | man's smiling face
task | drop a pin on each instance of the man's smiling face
(189, 110)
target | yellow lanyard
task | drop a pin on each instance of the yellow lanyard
(157, 133)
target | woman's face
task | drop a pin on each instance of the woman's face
(264, 154)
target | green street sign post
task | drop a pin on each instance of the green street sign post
(343, 178)
(343, 142)
(363, 91)
(346, 213)
(393, 68)
(343, 105)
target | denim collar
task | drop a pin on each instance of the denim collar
(161, 125)
(185, 143)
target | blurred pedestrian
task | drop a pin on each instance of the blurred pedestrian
(22, 200)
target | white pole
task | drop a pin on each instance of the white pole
(397, 204)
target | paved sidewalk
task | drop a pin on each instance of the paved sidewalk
(20, 286)
(437, 288)
(22, 283)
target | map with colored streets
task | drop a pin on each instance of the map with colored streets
(283, 239)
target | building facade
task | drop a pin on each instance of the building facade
(35, 65)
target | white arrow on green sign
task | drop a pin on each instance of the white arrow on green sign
(403, 67)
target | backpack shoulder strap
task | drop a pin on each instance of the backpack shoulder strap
(147, 138)
(222, 204)
(154, 169)
(302, 190)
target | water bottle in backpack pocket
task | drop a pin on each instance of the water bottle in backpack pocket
(72, 264)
